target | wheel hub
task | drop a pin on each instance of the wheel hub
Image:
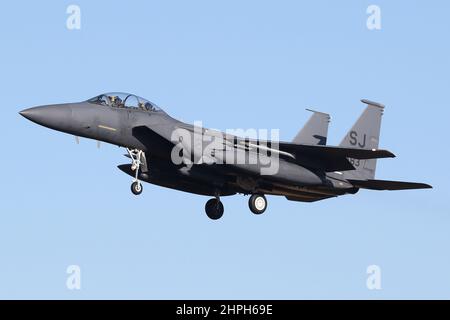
(260, 203)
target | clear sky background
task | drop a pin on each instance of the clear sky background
(230, 64)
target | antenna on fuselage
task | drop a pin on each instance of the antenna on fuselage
(77, 140)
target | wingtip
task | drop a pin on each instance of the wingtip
(386, 153)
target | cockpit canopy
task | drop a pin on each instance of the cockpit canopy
(124, 100)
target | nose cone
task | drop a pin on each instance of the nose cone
(52, 116)
(33, 114)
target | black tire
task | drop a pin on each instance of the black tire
(257, 203)
(136, 188)
(214, 209)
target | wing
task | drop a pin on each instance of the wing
(325, 158)
(311, 156)
(153, 141)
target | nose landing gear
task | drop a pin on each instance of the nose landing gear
(136, 188)
(137, 158)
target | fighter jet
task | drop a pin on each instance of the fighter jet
(173, 154)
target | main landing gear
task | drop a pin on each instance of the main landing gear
(214, 207)
(257, 203)
(136, 162)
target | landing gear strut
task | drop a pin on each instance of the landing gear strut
(214, 208)
(136, 161)
(257, 203)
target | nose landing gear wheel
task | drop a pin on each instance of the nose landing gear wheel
(136, 157)
(136, 188)
(257, 203)
(214, 209)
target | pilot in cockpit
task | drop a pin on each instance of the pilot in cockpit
(149, 106)
(116, 101)
(143, 106)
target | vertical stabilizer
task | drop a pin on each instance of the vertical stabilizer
(315, 131)
(365, 134)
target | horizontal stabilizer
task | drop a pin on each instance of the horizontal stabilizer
(346, 152)
(388, 185)
(338, 152)
(331, 158)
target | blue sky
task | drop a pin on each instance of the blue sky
(230, 64)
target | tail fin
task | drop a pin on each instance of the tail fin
(315, 131)
(365, 134)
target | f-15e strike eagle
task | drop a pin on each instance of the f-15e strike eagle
(190, 158)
